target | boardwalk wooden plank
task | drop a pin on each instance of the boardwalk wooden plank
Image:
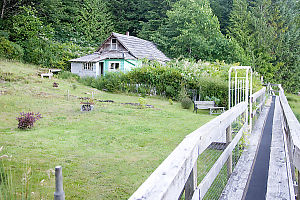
(238, 180)
(278, 181)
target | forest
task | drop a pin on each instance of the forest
(261, 33)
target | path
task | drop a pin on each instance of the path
(261, 172)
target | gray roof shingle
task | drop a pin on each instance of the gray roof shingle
(137, 49)
(141, 48)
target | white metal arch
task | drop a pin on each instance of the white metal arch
(240, 87)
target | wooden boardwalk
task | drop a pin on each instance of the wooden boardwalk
(267, 168)
(267, 176)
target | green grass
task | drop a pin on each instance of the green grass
(294, 102)
(105, 154)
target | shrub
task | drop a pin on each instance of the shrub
(27, 120)
(170, 91)
(186, 103)
(10, 50)
(142, 102)
(67, 75)
(142, 91)
(74, 86)
(171, 102)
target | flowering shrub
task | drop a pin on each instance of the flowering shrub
(26, 120)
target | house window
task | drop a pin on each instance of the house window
(114, 66)
(88, 66)
(113, 44)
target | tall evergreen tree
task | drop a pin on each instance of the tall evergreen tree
(154, 17)
(222, 9)
(240, 26)
(93, 22)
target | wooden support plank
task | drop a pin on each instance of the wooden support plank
(169, 179)
(191, 184)
(238, 180)
(293, 127)
(278, 180)
(216, 168)
(229, 160)
(258, 94)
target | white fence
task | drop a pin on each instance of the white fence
(177, 175)
(292, 138)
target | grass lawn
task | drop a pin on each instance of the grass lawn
(294, 102)
(105, 154)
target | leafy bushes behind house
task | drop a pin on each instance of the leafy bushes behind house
(156, 79)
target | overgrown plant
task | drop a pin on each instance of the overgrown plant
(27, 120)
(186, 103)
(142, 102)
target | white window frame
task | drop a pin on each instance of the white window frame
(112, 44)
(88, 66)
(112, 66)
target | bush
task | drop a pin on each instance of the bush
(142, 102)
(27, 120)
(10, 50)
(186, 103)
(48, 53)
(67, 75)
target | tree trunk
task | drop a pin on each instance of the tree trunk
(3, 8)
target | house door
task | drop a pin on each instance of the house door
(101, 68)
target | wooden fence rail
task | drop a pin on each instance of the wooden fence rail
(257, 101)
(292, 138)
(178, 171)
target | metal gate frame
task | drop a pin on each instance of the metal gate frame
(240, 89)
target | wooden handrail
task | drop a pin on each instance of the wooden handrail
(293, 126)
(169, 179)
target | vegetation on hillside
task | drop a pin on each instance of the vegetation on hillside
(176, 80)
(105, 154)
(263, 34)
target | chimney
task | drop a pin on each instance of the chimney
(127, 33)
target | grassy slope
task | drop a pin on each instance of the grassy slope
(105, 154)
(294, 102)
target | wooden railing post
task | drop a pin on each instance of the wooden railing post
(191, 183)
(229, 160)
(59, 193)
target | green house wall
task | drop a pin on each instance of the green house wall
(125, 65)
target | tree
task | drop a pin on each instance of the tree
(93, 22)
(222, 9)
(191, 30)
(240, 26)
(155, 16)
(26, 25)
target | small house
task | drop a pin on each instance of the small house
(117, 53)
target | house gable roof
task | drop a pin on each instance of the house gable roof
(136, 48)
(139, 48)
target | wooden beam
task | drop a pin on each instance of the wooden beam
(216, 168)
(169, 179)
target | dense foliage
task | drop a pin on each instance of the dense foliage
(263, 34)
(177, 80)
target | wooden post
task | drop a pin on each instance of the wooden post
(59, 193)
(228, 141)
(191, 183)
(298, 192)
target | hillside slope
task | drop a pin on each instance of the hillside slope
(105, 154)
